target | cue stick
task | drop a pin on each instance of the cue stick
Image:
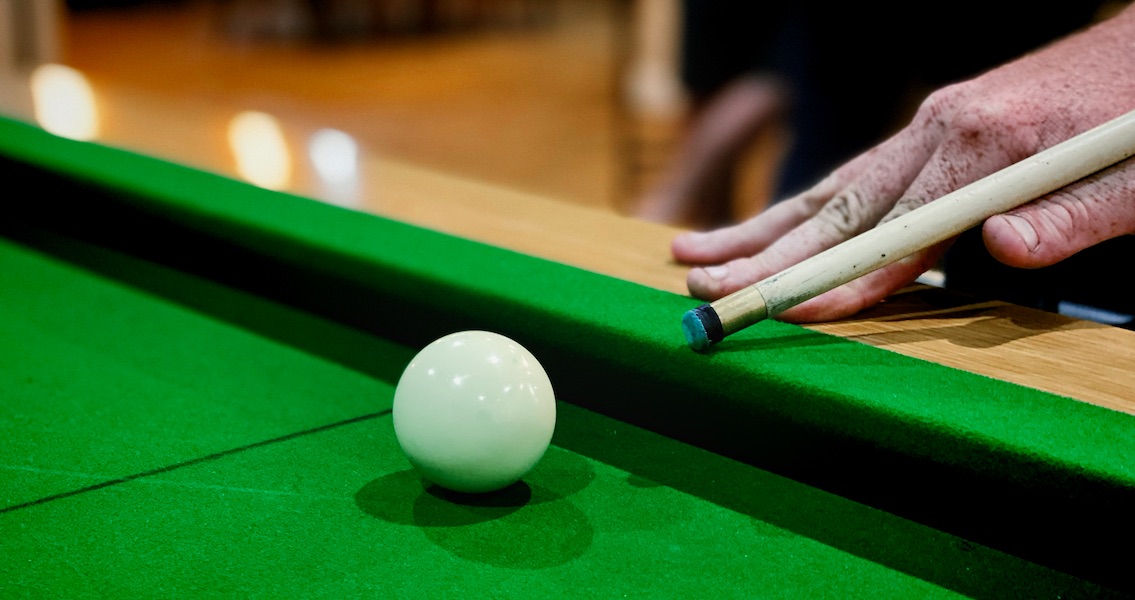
(934, 222)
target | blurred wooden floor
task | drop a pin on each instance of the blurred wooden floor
(531, 107)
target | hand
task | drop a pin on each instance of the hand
(961, 133)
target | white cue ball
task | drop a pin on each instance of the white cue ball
(474, 411)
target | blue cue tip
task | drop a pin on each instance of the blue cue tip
(702, 327)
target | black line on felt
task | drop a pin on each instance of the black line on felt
(192, 462)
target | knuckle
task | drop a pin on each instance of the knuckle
(813, 199)
(1009, 129)
(847, 214)
(938, 105)
(903, 206)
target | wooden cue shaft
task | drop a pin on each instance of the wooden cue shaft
(934, 222)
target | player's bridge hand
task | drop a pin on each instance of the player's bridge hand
(959, 134)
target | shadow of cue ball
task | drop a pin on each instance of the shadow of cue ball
(519, 527)
(391, 497)
(528, 525)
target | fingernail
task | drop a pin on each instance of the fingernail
(1025, 230)
(717, 272)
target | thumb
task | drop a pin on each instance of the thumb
(1076, 217)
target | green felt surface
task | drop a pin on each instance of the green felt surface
(201, 323)
(612, 320)
(193, 455)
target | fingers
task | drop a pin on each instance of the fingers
(743, 239)
(849, 202)
(1065, 222)
(981, 140)
(1039, 234)
(960, 134)
(758, 233)
(971, 150)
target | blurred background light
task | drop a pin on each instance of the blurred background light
(261, 152)
(63, 102)
(335, 156)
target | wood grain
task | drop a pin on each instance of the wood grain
(594, 239)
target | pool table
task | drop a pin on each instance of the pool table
(196, 377)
